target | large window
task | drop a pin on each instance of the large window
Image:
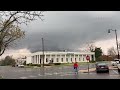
(71, 59)
(61, 59)
(52, 59)
(66, 59)
(46, 59)
(75, 59)
(57, 59)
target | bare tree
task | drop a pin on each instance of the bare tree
(112, 52)
(10, 22)
(91, 46)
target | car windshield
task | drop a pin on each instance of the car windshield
(99, 64)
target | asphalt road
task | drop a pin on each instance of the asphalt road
(56, 72)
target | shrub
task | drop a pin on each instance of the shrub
(57, 63)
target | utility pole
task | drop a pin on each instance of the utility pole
(116, 40)
(43, 50)
(117, 44)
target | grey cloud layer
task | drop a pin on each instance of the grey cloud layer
(68, 30)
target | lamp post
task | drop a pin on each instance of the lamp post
(116, 39)
(43, 50)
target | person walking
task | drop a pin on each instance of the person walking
(76, 67)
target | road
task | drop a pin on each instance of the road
(56, 72)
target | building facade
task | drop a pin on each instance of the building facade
(59, 57)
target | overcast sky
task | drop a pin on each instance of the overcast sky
(71, 30)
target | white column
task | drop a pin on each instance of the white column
(65, 59)
(60, 59)
(55, 57)
(35, 60)
(74, 58)
(78, 58)
(45, 59)
(90, 57)
(50, 56)
(82, 57)
(70, 58)
(38, 59)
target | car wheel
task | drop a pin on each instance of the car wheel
(97, 71)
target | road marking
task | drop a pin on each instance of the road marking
(56, 73)
(48, 74)
(115, 72)
(32, 76)
(23, 77)
(40, 75)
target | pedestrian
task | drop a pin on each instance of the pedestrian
(76, 67)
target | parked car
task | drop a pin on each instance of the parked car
(101, 67)
(118, 66)
(21, 66)
(115, 62)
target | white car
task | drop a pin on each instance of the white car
(20, 65)
(115, 62)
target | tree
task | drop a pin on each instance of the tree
(24, 63)
(112, 52)
(8, 61)
(10, 22)
(98, 53)
(91, 46)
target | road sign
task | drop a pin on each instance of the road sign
(87, 57)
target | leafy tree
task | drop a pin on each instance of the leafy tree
(8, 61)
(10, 22)
(98, 53)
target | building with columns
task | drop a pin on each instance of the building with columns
(59, 57)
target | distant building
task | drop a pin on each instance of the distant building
(59, 57)
(20, 60)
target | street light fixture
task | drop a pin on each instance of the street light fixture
(116, 39)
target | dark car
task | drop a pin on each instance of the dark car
(102, 67)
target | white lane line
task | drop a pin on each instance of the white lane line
(56, 73)
(32, 76)
(40, 75)
(48, 74)
(115, 72)
(23, 77)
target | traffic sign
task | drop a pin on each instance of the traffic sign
(87, 57)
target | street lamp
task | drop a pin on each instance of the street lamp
(116, 39)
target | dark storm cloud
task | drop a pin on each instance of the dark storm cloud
(69, 30)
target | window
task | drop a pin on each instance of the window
(66, 59)
(52, 59)
(75, 59)
(71, 59)
(57, 59)
(83, 59)
(46, 59)
(79, 59)
(61, 59)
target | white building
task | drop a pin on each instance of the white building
(20, 60)
(59, 57)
